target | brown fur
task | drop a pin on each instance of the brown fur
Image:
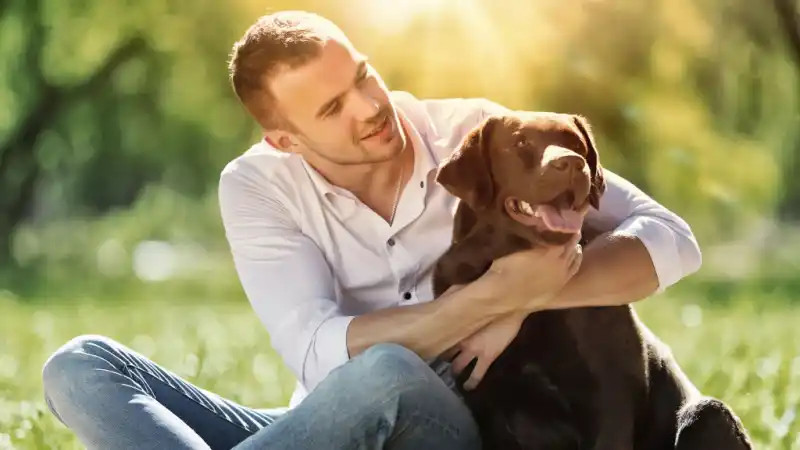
(583, 378)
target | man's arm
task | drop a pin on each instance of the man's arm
(648, 249)
(291, 288)
(428, 328)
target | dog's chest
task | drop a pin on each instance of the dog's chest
(580, 352)
(547, 341)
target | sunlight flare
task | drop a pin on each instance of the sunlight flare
(395, 15)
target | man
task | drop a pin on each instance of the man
(334, 223)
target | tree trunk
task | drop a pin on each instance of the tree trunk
(20, 168)
(789, 205)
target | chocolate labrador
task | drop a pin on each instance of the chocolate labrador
(582, 378)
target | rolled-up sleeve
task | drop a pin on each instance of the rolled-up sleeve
(285, 278)
(668, 238)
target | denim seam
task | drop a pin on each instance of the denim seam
(128, 367)
(449, 429)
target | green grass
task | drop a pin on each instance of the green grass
(744, 353)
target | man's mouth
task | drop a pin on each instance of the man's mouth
(563, 218)
(382, 126)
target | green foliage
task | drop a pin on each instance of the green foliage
(695, 102)
(166, 244)
(727, 352)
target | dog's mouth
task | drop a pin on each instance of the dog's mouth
(560, 215)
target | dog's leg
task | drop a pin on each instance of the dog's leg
(523, 410)
(657, 426)
(708, 423)
(679, 416)
(614, 352)
(668, 389)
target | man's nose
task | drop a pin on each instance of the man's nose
(562, 159)
(365, 107)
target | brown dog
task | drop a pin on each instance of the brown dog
(583, 378)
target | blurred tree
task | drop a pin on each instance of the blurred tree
(789, 207)
(696, 102)
(20, 165)
(104, 98)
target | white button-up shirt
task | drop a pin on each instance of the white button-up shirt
(310, 256)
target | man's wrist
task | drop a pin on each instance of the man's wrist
(482, 295)
(519, 316)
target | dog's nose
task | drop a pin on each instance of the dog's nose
(563, 160)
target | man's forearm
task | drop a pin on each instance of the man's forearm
(428, 329)
(616, 270)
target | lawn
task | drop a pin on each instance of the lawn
(748, 356)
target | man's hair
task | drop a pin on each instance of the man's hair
(277, 41)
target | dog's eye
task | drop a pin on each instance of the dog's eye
(521, 141)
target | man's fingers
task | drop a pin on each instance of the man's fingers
(575, 264)
(568, 249)
(454, 288)
(477, 374)
(575, 240)
(461, 362)
(448, 355)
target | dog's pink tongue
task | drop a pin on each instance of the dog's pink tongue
(564, 220)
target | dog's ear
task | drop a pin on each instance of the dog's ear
(467, 172)
(593, 160)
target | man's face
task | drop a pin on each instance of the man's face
(340, 107)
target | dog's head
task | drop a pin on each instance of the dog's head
(540, 169)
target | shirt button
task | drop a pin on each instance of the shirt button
(390, 242)
(407, 296)
(422, 184)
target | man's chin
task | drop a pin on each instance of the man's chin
(385, 151)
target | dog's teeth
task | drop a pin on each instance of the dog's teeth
(526, 208)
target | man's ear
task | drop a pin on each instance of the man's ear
(593, 160)
(279, 140)
(467, 172)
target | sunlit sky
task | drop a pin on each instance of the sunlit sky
(452, 38)
(396, 14)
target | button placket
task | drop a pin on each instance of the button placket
(401, 265)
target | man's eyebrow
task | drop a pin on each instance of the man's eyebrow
(362, 67)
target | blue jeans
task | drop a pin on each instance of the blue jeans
(114, 398)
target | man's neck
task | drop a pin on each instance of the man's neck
(376, 185)
(380, 176)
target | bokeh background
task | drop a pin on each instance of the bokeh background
(116, 118)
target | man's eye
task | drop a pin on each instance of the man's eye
(334, 109)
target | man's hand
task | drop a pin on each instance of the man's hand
(485, 345)
(519, 283)
(525, 281)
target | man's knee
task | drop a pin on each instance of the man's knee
(65, 372)
(391, 356)
(383, 371)
(392, 385)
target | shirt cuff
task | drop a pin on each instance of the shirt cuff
(328, 350)
(661, 242)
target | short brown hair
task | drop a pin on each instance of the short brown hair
(281, 40)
